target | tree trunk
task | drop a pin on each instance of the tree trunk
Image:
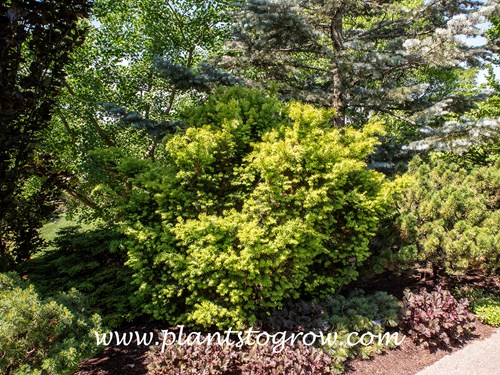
(337, 100)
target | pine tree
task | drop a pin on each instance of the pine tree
(358, 57)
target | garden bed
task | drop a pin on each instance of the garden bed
(408, 359)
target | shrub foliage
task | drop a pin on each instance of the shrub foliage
(485, 303)
(449, 217)
(356, 313)
(488, 311)
(297, 359)
(337, 315)
(93, 262)
(42, 336)
(258, 203)
(193, 359)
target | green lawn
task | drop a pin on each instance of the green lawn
(49, 231)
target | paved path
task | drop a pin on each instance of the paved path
(478, 358)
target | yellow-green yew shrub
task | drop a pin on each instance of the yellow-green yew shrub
(259, 202)
(449, 215)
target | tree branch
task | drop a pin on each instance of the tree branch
(107, 140)
(83, 199)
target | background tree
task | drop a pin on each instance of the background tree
(475, 132)
(37, 40)
(359, 58)
(141, 63)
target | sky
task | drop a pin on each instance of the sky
(481, 41)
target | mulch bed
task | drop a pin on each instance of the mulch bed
(409, 358)
(126, 360)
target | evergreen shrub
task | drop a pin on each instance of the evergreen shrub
(448, 217)
(39, 336)
(258, 203)
(93, 262)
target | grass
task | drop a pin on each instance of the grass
(49, 231)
